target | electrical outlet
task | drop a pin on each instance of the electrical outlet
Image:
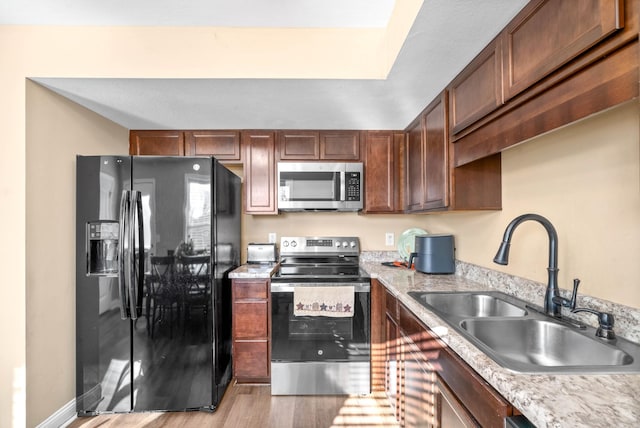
(389, 239)
(272, 237)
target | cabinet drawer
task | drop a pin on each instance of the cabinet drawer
(250, 320)
(247, 290)
(251, 359)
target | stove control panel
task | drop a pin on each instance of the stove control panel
(347, 245)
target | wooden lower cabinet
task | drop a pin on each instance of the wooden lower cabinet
(427, 384)
(251, 330)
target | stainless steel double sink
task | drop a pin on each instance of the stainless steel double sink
(519, 338)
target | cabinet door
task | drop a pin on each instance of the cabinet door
(384, 184)
(298, 145)
(450, 412)
(547, 34)
(420, 399)
(340, 145)
(436, 181)
(249, 362)
(223, 145)
(414, 195)
(161, 143)
(477, 90)
(392, 375)
(259, 172)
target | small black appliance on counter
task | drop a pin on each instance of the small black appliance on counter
(434, 254)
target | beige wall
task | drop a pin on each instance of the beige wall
(57, 130)
(594, 161)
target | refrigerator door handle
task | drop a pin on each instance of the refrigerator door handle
(122, 277)
(137, 255)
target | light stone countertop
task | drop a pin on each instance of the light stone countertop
(547, 400)
(249, 271)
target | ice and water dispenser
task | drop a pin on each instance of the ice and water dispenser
(102, 248)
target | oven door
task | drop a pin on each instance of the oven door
(319, 354)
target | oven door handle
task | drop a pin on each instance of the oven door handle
(288, 287)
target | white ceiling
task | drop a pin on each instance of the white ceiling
(445, 36)
(213, 13)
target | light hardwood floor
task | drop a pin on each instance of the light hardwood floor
(249, 406)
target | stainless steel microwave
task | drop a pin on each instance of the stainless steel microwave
(320, 186)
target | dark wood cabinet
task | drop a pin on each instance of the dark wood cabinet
(223, 145)
(414, 193)
(427, 159)
(161, 143)
(384, 172)
(298, 145)
(251, 330)
(549, 33)
(436, 158)
(306, 145)
(434, 183)
(477, 90)
(427, 383)
(340, 145)
(560, 63)
(259, 172)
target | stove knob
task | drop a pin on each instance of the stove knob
(285, 243)
(337, 244)
(353, 244)
(345, 244)
(294, 244)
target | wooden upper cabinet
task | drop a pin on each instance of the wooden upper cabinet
(298, 145)
(319, 145)
(427, 159)
(384, 171)
(223, 145)
(477, 90)
(549, 33)
(161, 143)
(414, 194)
(259, 172)
(436, 154)
(340, 145)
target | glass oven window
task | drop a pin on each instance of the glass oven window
(319, 338)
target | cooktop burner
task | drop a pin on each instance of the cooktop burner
(314, 258)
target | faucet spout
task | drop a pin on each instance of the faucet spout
(502, 257)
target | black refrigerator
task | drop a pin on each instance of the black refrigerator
(156, 238)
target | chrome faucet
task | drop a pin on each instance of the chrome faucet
(553, 302)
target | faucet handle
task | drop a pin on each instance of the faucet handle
(569, 303)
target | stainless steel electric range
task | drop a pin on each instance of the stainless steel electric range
(320, 304)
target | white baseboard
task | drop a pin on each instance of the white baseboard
(62, 417)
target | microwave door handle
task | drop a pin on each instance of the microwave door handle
(342, 185)
(122, 277)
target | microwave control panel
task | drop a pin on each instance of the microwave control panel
(353, 186)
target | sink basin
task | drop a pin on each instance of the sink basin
(471, 304)
(520, 337)
(522, 343)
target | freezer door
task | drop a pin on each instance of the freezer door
(103, 369)
(172, 338)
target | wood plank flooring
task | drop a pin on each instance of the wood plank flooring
(249, 406)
